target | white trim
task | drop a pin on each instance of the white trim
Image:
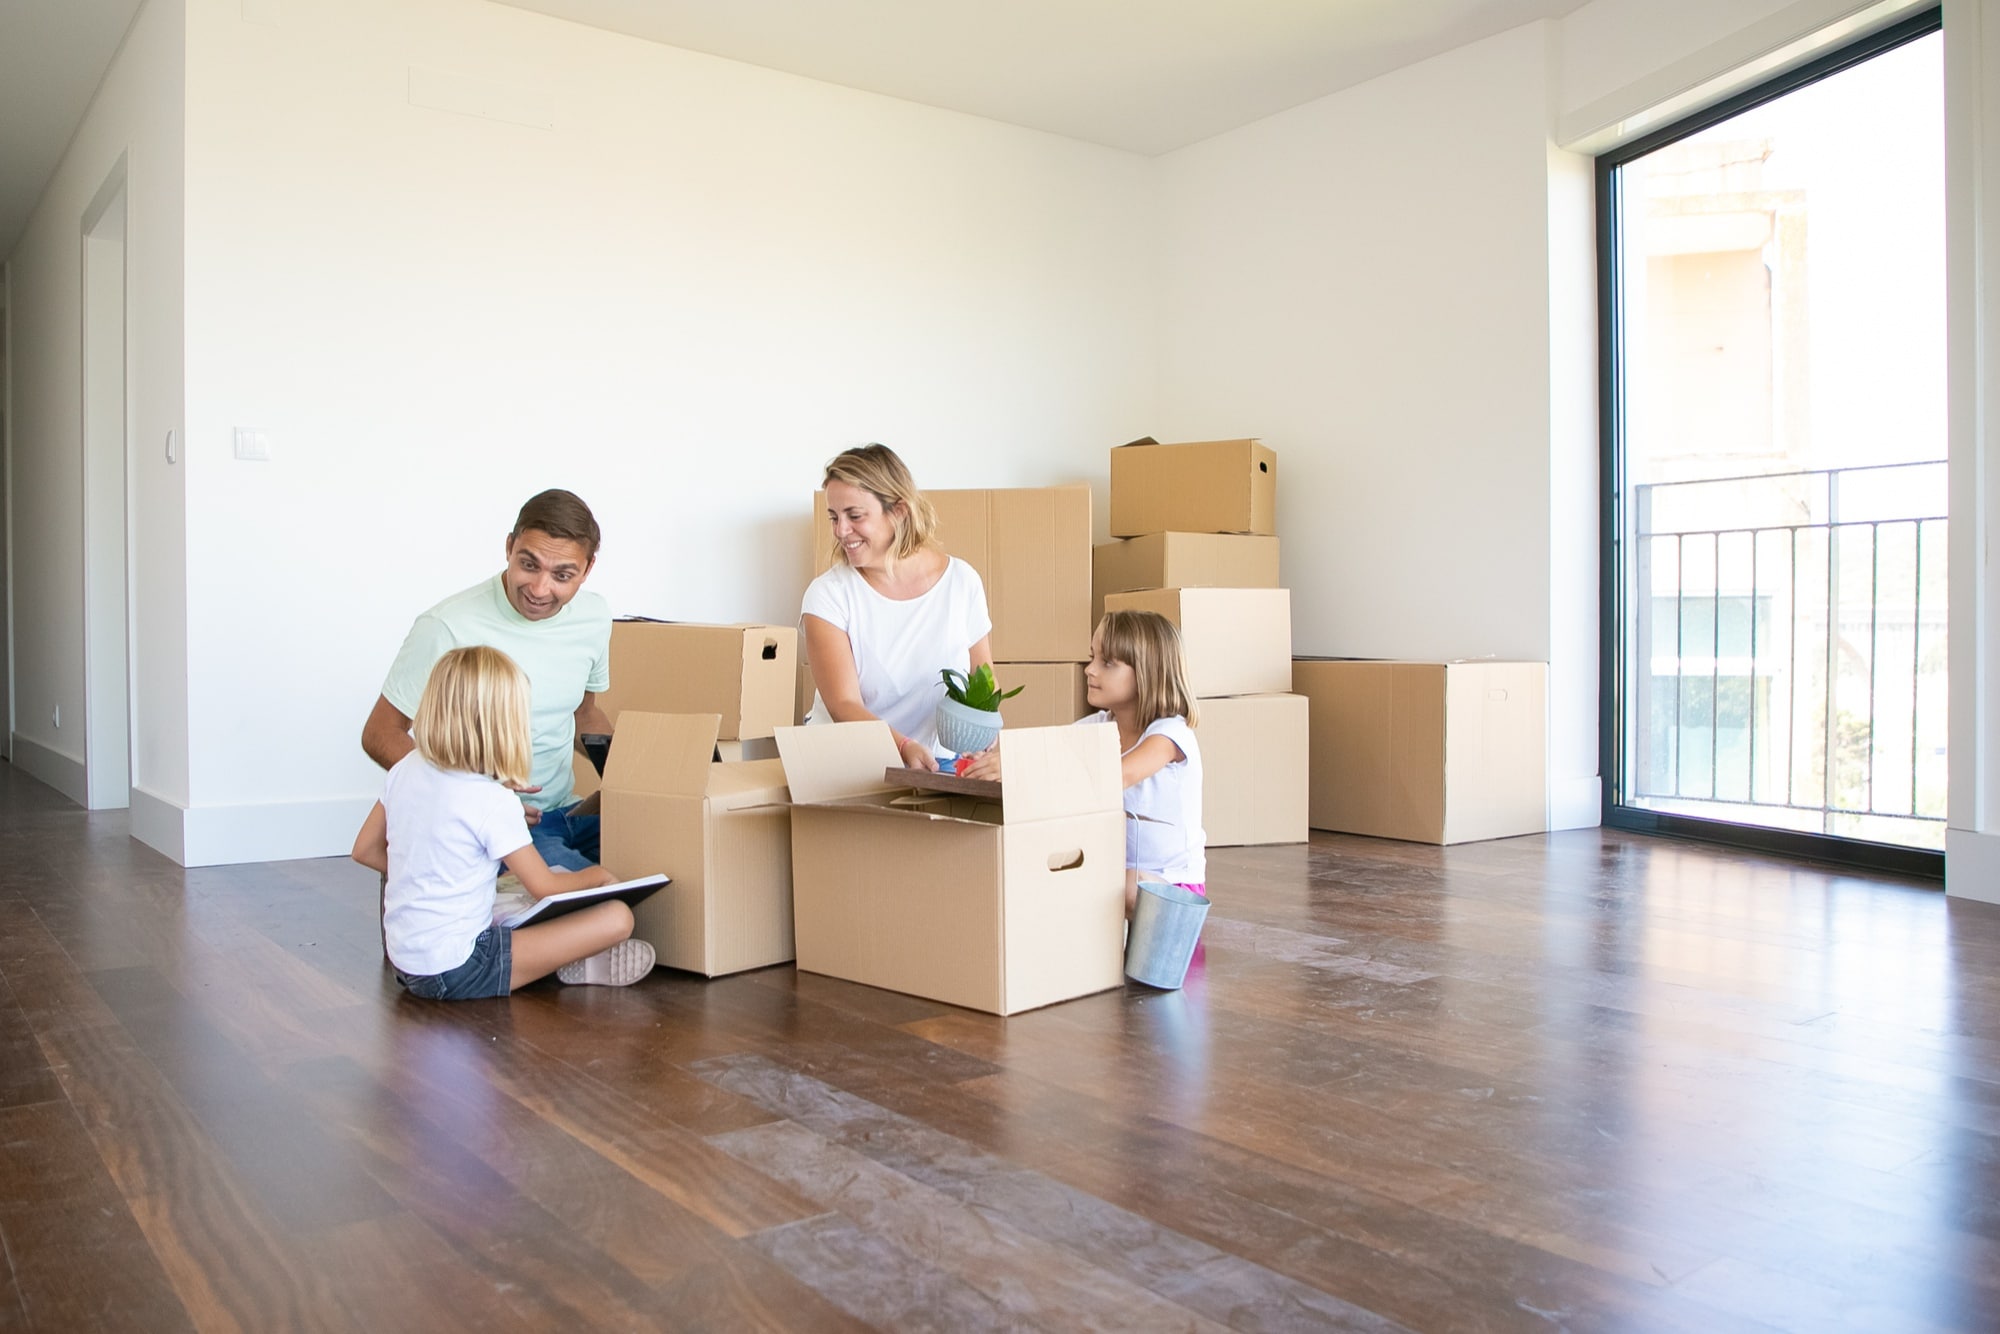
(1787, 39)
(276, 831)
(1972, 865)
(1576, 803)
(159, 824)
(64, 773)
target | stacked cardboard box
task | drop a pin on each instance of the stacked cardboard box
(1031, 547)
(1198, 530)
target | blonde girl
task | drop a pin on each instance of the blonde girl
(448, 819)
(1137, 678)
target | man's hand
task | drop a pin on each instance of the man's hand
(534, 815)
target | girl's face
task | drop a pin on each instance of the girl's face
(1108, 684)
(866, 532)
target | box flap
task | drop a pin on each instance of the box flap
(747, 783)
(830, 761)
(665, 753)
(1054, 771)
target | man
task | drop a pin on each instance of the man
(532, 612)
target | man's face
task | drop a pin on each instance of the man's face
(543, 572)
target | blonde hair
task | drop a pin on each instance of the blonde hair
(1150, 644)
(474, 716)
(877, 470)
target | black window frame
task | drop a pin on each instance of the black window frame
(1830, 848)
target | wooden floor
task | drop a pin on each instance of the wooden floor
(1586, 1082)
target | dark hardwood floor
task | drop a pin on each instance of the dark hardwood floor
(1588, 1081)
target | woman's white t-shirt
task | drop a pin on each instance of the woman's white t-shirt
(1167, 839)
(901, 646)
(448, 832)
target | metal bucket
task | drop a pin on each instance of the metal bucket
(1166, 923)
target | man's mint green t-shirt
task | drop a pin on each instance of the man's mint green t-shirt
(564, 656)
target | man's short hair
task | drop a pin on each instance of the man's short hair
(562, 515)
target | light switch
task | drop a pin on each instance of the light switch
(253, 442)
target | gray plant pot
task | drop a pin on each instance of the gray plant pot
(964, 730)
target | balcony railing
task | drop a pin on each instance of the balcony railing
(1787, 651)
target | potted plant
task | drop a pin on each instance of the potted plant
(968, 717)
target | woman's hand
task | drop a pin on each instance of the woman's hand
(916, 755)
(985, 765)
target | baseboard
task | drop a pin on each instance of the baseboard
(61, 772)
(160, 824)
(1972, 865)
(279, 831)
(1576, 803)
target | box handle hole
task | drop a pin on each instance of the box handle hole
(770, 650)
(1066, 861)
(1263, 466)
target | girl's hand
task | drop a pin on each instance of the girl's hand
(916, 755)
(985, 765)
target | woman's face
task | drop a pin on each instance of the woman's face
(865, 531)
(1107, 684)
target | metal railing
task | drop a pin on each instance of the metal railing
(1787, 651)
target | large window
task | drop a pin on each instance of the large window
(1774, 420)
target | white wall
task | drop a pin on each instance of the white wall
(679, 295)
(136, 114)
(1366, 282)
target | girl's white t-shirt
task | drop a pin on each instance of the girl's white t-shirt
(1166, 839)
(900, 647)
(448, 832)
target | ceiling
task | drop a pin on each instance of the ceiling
(1147, 76)
(53, 54)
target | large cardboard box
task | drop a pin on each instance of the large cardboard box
(1052, 695)
(1031, 547)
(1000, 909)
(1253, 769)
(1181, 560)
(722, 831)
(1431, 752)
(1211, 486)
(743, 673)
(1237, 641)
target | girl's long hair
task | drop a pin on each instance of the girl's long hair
(1151, 645)
(474, 716)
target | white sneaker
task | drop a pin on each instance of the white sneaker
(620, 966)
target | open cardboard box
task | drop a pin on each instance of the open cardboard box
(1031, 546)
(722, 831)
(996, 908)
(1210, 486)
(745, 674)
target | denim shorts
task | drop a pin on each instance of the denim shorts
(489, 972)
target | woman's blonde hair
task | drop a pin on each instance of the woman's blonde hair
(474, 716)
(1150, 644)
(876, 469)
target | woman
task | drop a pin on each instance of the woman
(893, 610)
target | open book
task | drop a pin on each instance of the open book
(555, 905)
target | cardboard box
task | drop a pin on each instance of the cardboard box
(1253, 769)
(1237, 641)
(1032, 550)
(585, 779)
(722, 831)
(1431, 752)
(1000, 909)
(1212, 486)
(743, 673)
(1053, 694)
(1181, 560)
